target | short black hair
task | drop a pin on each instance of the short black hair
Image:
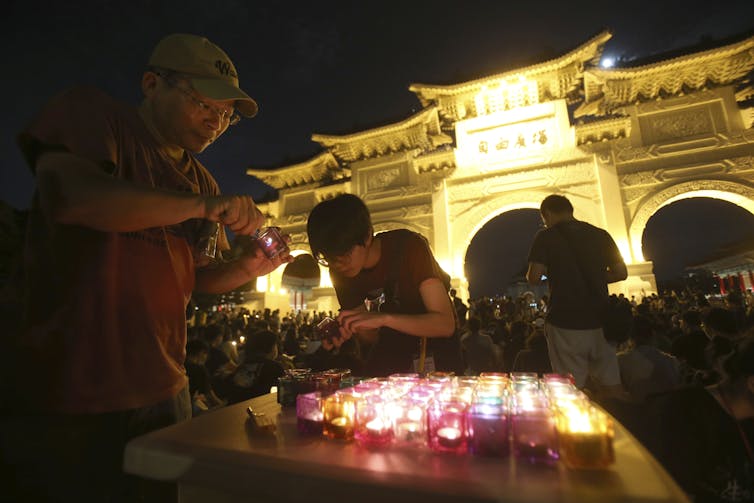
(556, 204)
(261, 342)
(642, 331)
(196, 346)
(336, 225)
(692, 317)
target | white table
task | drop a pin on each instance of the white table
(220, 457)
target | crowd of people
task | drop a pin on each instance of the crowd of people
(668, 341)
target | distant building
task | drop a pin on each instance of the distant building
(732, 266)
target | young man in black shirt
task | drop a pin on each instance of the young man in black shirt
(397, 264)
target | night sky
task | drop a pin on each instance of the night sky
(331, 67)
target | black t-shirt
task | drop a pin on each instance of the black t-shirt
(409, 252)
(700, 445)
(567, 249)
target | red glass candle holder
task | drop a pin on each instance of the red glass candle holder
(327, 329)
(271, 242)
(447, 426)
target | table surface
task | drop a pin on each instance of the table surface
(221, 451)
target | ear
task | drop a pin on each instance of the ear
(148, 83)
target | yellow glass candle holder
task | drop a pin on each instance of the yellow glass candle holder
(585, 436)
(338, 416)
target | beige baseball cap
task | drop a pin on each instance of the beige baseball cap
(209, 69)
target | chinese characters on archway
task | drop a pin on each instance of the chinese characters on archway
(511, 142)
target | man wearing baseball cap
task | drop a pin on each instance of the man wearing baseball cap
(116, 244)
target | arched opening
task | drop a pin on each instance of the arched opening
(299, 277)
(690, 231)
(495, 261)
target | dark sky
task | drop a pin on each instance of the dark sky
(316, 67)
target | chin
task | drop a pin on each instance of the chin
(349, 273)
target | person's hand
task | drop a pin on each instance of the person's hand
(239, 213)
(255, 263)
(353, 321)
(330, 343)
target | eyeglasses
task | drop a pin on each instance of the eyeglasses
(228, 115)
(343, 258)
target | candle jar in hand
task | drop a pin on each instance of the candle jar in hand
(271, 242)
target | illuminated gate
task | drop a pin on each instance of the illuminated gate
(619, 143)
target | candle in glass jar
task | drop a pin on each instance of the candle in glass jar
(309, 413)
(449, 437)
(373, 426)
(447, 426)
(374, 433)
(586, 438)
(488, 429)
(338, 416)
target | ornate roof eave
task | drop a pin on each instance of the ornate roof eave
(398, 136)
(589, 51)
(322, 167)
(722, 65)
(603, 130)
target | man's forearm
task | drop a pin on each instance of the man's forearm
(422, 325)
(76, 193)
(221, 278)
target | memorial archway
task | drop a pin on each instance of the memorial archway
(620, 143)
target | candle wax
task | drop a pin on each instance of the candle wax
(449, 437)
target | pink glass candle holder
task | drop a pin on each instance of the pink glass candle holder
(309, 413)
(338, 411)
(272, 242)
(533, 431)
(488, 428)
(447, 426)
(586, 437)
(373, 424)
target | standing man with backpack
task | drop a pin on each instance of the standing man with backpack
(578, 260)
